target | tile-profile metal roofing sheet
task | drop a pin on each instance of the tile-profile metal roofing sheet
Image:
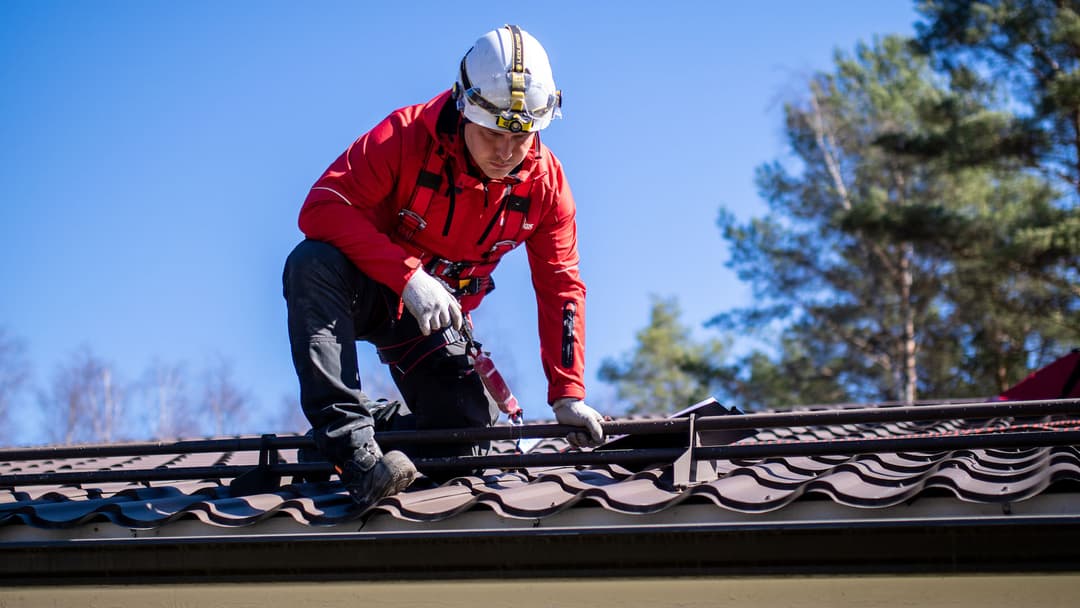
(866, 483)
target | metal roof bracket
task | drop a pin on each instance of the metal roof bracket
(689, 470)
(262, 478)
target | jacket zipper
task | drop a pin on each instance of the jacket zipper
(498, 214)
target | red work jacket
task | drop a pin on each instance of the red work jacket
(357, 206)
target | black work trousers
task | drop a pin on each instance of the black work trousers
(331, 305)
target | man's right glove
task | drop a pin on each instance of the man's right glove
(431, 303)
(574, 412)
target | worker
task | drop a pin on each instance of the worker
(403, 232)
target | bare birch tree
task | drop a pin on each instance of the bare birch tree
(224, 405)
(14, 374)
(166, 386)
(290, 417)
(85, 402)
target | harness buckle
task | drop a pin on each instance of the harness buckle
(474, 286)
(460, 277)
(445, 269)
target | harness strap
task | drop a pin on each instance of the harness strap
(519, 201)
(464, 277)
(428, 183)
(405, 356)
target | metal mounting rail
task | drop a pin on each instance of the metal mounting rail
(691, 462)
(618, 457)
(999, 409)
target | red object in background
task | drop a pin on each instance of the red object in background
(1059, 380)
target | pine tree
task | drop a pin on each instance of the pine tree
(667, 370)
(1026, 54)
(889, 274)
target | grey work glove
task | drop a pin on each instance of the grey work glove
(431, 303)
(574, 412)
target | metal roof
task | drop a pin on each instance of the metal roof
(1010, 496)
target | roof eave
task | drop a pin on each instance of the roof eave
(1006, 543)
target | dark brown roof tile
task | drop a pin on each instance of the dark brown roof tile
(752, 486)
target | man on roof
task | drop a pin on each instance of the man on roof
(403, 232)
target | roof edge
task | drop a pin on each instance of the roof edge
(699, 512)
(1006, 544)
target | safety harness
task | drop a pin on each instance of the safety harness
(463, 277)
(405, 356)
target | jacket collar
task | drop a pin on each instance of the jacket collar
(445, 123)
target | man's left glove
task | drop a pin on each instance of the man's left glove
(574, 412)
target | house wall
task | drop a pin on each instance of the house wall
(989, 591)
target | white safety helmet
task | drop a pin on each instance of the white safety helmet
(504, 82)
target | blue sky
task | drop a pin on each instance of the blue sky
(155, 155)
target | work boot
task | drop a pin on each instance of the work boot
(382, 477)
